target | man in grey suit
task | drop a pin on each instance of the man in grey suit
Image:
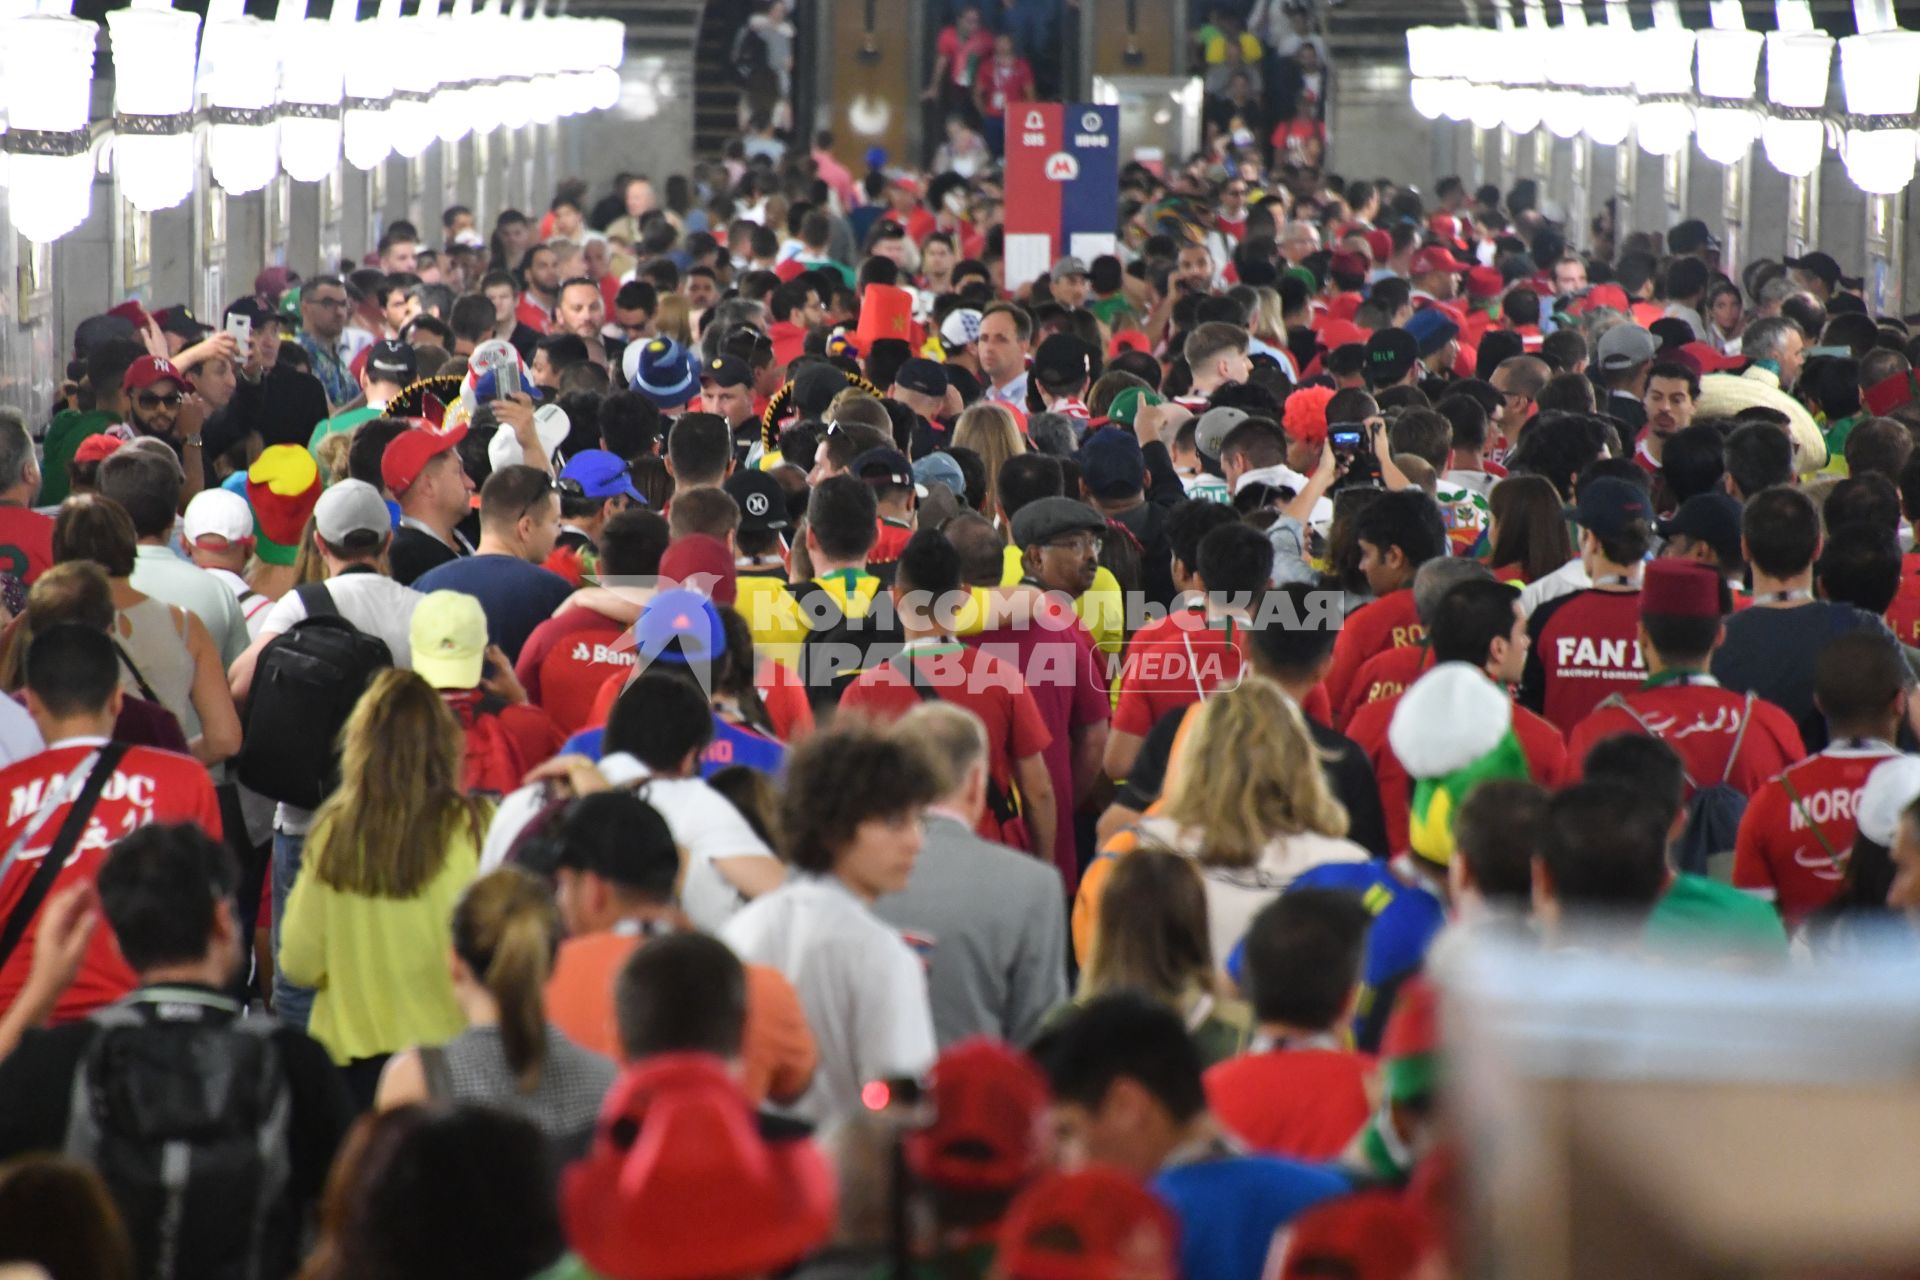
(991, 921)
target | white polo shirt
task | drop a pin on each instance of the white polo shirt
(704, 824)
(863, 988)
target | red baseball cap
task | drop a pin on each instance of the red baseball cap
(1437, 258)
(1128, 340)
(1347, 263)
(409, 452)
(990, 1118)
(147, 370)
(702, 563)
(96, 448)
(1485, 282)
(1094, 1224)
(1380, 244)
(1375, 1235)
(680, 1184)
(1704, 359)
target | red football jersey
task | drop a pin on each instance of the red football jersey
(1700, 721)
(1173, 663)
(148, 786)
(1542, 744)
(1303, 1104)
(1585, 647)
(1903, 615)
(566, 660)
(1387, 623)
(1795, 853)
(1383, 675)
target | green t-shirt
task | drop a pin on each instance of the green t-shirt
(829, 265)
(335, 425)
(1111, 311)
(1701, 914)
(68, 429)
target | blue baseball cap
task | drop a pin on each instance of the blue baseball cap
(666, 373)
(602, 475)
(680, 626)
(1432, 329)
(1112, 464)
(939, 468)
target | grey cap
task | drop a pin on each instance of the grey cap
(1045, 519)
(1623, 347)
(1068, 266)
(351, 506)
(1212, 427)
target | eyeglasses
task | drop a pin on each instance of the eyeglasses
(148, 400)
(1082, 544)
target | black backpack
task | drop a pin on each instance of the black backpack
(186, 1119)
(305, 687)
(838, 648)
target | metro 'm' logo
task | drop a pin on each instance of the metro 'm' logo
(1062, 167)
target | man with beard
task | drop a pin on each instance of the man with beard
(161, 403)
(1672, 391)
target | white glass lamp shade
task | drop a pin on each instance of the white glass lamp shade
(545, 99)
(1881, 75)
(1605, 59)
(154, 54)
(46, 71)
(1522, 71)
(410, 122)
(1426, 59)
(1728, 60)
(240, 74)
(609, 42)
(1487, 105)
(311, 84)
(1799, 65)
(1429, 97)
(481, 61)
(366, 125)
(1563, 107)
(1663, 66)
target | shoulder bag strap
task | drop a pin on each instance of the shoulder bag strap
(1615, 700)
(318, 599)
(1746, 718)
(146, 690)
(104, 763)
(1826, 845)
(437, 1072)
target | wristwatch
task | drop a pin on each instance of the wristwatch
(191, 442)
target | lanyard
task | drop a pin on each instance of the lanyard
(1785, 597)
(1679, 677)
(1618, 580)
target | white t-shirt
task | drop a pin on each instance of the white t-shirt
(19, 735)
(253, 605)
(372, 602)
(863, 989)
(377, 606)
(704, 823)
(1564, 581)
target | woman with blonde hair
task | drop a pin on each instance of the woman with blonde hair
(1152, 938)
(674, 319)
(368, 923)
(167, 655)
(1247, 799)
(991, 432)
(505, 932)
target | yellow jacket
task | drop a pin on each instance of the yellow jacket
(379, 965)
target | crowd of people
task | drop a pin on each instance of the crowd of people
(713, 734)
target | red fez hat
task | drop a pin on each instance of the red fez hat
(1680, 588)
(1485, 282)
(1888, 394)
(886, 311)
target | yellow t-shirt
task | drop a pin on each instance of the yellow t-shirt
(778, 622)
(379, 965)
(1102, 608)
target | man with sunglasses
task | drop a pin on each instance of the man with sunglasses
(161, 403)
(595, 487)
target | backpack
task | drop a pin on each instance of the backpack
(749, 54)
(493, 763)
(305, 687)
(186, 1121)
(835, 652)
(1713, 811)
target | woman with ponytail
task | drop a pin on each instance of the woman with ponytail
(505, 931)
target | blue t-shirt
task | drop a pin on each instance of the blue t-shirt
(1229, 1209)
(516, 596)
(731, 745)
(1406, 917)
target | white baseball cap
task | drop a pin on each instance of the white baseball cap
(218, 513)
(960, 329)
